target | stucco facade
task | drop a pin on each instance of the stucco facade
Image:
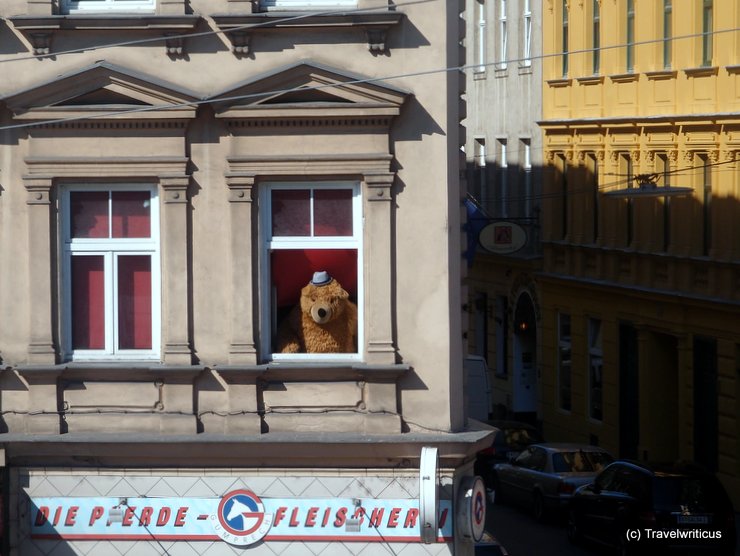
(214, 112)
(504, 175)
(640, 313)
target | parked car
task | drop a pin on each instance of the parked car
(510, 439)
(676, 499)
(544, 476)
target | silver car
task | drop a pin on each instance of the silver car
(544, 476)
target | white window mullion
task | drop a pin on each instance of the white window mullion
(111, 307)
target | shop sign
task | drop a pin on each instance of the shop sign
(503, 237)
(239, 517)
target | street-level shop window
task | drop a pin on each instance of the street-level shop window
(564, 362)
(110, 272)
(309, 230)
(316, 5)
(89, 6)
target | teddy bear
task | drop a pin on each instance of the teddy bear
(325, 320)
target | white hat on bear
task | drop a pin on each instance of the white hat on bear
(321, 278)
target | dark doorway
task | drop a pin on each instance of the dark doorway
(705, 402)
(629, 407)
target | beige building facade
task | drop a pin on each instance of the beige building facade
(172, 174)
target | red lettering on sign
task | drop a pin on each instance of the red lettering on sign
(57, 515)
(376, 518)
(294, 518)
(163, 517)
(359, 514)
(393, 518)
(71, 516)
(279, 515)
(146, 516)
(180, 517)
(341, 517)
(443, 518)
(42, 516)
(128, 516)
(311, 516)
(327, 513)
(96, 513)
(411, 516)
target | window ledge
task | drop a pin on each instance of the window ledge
(479, 74)
(525, 69)
(661, 74)
(556, 83)
(130, 371)
(733, 69)
(590, 80)
(624, 77)
(240, 28)
(704, 71)
(40, 30)
(316, 370)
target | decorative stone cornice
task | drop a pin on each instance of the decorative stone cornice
(106, 167)
(240, 28)
(379, 186)
(40, 30)
(350, 165)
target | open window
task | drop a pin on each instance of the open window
(308, 228)
(110, 272)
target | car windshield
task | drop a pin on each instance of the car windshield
(580, 461)
(687, 493)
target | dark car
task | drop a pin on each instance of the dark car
(544, 476)
(671, 507)
(510, 439)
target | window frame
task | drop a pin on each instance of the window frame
(307, 5)
(527, 33)
(565, 344)
(97, 6)
(501, 61)
(110, 249)
(595, 359)
(267, 325)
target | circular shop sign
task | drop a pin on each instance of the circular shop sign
(241, 518)
(472, 515)
(502, 237)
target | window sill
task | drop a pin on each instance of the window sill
(479, 74)
(557, 83)
(704, 71)
(40, 30)
(733, 69)
(590, 80)
(129, 371)
(239, 28)
(317, 371)
(624, 77)
(525, 69)
(660, 74)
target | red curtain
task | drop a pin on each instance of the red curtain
(134, 302)
(88, 303)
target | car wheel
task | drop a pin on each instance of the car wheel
(538, 506)
(573, 530)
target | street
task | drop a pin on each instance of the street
(523, 536)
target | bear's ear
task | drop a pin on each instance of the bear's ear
(342, 293)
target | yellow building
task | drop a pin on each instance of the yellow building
(640, 293)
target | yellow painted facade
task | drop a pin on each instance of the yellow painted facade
(640, 323)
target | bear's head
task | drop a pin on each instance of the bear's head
(323, 298)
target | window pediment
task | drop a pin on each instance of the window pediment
(313, 91)
(102, 91)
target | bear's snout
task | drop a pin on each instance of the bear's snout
(321, 312)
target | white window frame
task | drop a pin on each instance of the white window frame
(503, 178)
(527, 34)
(480, 38)
(564, 344)
(312, 5)
(87, 6)
(267, 244)
(595, 361)
(527, 168)
(503, 35)
(110, 249)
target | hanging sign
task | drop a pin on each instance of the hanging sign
(502, 237)
(239, 517)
